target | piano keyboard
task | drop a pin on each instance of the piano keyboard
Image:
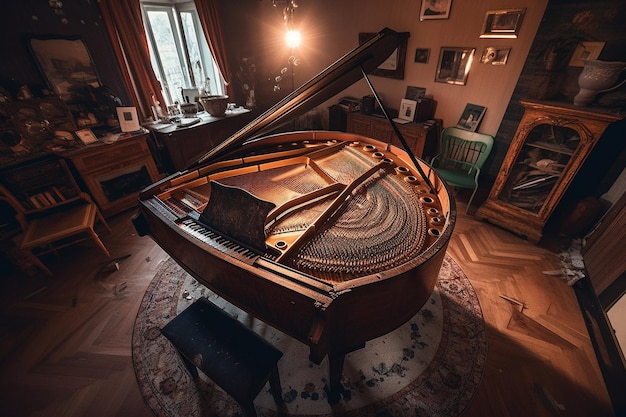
(218, 242)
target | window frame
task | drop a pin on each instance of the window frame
(209, 68)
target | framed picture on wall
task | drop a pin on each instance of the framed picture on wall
(454, 65)
(435, 9)
(502, 23)
(66, 65)
(393, 67)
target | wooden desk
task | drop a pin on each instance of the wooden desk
(179, 147)
(422, 140)
(115, 173)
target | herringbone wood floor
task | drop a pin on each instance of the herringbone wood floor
(65, 341)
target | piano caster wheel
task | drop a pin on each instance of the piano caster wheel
(334, 395)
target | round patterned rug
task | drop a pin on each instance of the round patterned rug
(430, 366)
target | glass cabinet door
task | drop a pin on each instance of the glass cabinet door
(543, 158)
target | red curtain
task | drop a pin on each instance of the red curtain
(125, 26)
(208, 11)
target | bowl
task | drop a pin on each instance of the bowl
(214, 105)
(189, 109)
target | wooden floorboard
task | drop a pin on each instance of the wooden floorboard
(65, 341)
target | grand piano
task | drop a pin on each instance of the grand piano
(333, 238)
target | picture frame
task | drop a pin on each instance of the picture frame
(421, 55)
(414, 93)
(128, 119)
(585, 50)
(86, 136)
(393, 67)
(502, 23)
(406, 114)
(471, 117)
(66, 65)
(454, 65)
(495, 55)
(435, 9)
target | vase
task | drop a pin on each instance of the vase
(597, 77)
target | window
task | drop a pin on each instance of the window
(180, 55)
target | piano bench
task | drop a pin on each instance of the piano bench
(230, 354)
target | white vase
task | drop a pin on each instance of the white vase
(597, 77)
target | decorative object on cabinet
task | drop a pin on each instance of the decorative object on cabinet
(471, 117)
(421, 55)
(115, 173)
(462, 155)
(67, 66)
(454, 65)
(422, 138)
(549, 147)
(495, 56)
(585, 50)
(51, 209)
(598, 77)
(37, 125)
(407, 111)
(393, 67)
(502, 23)
(435, 9)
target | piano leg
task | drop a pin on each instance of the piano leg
(335, 371)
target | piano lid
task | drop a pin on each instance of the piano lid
(331, 81)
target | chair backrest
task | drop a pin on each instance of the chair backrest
(462, 149)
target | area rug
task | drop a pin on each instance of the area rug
(430, 366)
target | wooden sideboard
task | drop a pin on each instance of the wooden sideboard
(179, 147)
(114, 173)
(423, 140)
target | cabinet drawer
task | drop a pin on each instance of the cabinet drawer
(109, 156)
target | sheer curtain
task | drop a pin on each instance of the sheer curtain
(208, 12)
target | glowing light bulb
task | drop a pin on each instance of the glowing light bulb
(293, 38)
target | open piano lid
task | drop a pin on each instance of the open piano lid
(331, 81)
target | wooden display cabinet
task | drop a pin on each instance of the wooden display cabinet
(549, 147)
(115, 173)
(422, 139)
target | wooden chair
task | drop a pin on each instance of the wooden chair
(462, 155)
(50, 207)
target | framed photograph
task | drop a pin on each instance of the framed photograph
(406, 114)
(66, 65)
(393, 67)
(585, 50)
(86, 136)
(127, 116)
(502, 23)
(415, 93)
(471, 117)
(435, 9)
(454, 65)
(421, 55)
(494, 55)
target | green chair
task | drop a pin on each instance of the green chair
(462, 154)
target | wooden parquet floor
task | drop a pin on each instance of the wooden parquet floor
(65, 341)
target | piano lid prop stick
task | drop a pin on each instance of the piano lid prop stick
(398, 134)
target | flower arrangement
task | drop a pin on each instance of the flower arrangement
(246, 77)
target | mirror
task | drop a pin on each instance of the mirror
(454, 65)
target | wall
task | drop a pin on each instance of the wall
(73, 19)
(331, 28)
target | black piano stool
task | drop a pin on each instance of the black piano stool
(231, 355)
